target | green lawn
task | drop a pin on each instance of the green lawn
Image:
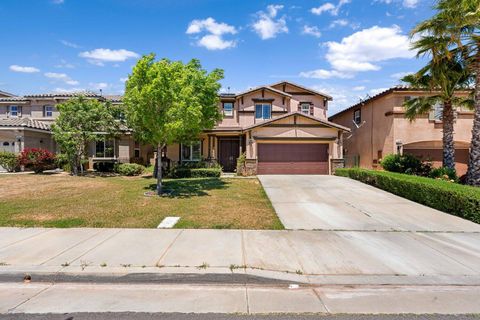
(65, 201)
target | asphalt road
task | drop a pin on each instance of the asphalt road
(209, 316)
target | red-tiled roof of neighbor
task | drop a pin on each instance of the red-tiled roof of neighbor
(298, 113)
(26, 123)
(88, 94)
(7, 94)
(398, 88)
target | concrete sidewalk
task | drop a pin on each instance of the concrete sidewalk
(283, 271)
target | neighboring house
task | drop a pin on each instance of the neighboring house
(281, 128)
(379, 127)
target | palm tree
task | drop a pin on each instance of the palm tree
(443, 76)
(460, 21)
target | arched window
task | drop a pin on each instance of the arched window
(6, 144)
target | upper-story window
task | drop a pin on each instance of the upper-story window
(13, 111)
(357, 116)
(48, 111)
(436, 113)
(228, 109)
(305, 108)
(191, 152)
(263, 111)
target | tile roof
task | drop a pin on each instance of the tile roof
(301, 87)
(88, 94)
(26, 123)
(7, 94)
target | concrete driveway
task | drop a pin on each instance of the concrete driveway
(316, 202)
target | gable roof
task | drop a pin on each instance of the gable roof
(298, 113)
(268, 88)
(6, 94)
(303, 88)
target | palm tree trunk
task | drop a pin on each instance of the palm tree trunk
(473, 173)
(448, 119)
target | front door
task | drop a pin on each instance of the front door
(228, 153)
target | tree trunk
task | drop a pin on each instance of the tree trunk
(448, 140)
(473, 173)
(159, 169)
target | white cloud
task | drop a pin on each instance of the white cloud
(64, 64)
(330, 8)
(324, 74)
(406, 3)
(374, 92)
(267, 26)
(58, 1)
(69, 90)
(313, 31)
(213, 40)
(343, 97)
(99, 56)
(410, 3)
(124, 79)
(400, 75)
(339, 22)
(70, 44)
(363, 50)
(98, 85)
(61, 77)
(23, 69)
(358, 88)
(210, 25)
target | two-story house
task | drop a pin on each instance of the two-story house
(379, 127)
(281, 128)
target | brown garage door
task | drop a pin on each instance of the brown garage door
(289, 158)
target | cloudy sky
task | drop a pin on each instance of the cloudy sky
(346, 48)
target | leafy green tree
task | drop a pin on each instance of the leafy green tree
(82, 121)
(443, 77)
(459, 21)
(170, 102)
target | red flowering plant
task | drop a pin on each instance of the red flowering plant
(37, 160)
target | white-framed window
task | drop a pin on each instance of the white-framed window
(436, 114)
(48, 111)
(13, 111)
(191, 152)
(357, 116)
(263, 111)
(305, 108)
(228, 109)
(105, 148)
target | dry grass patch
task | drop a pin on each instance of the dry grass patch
(65, 201)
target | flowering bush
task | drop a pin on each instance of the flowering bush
(37, 160)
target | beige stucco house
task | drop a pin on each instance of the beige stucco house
(281, 128)
(379, 127)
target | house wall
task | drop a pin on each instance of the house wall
(385, 126)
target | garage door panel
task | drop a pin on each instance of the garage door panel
(287, 158)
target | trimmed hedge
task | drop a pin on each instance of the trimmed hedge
(8, 160)
(453, 198)
(129, 169)
(183, 172)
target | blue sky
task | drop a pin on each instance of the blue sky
(346, 48)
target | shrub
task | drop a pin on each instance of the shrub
(185, 172)
(444, 173)
(37, 160)
(9, 161)
(405, 163)
(453, 198)
(129, 169)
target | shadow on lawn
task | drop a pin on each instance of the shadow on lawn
(186, 188)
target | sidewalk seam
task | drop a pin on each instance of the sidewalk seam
(169, 247)
(73, 246)
(9, 311)
(27, 238)
(94, 247)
